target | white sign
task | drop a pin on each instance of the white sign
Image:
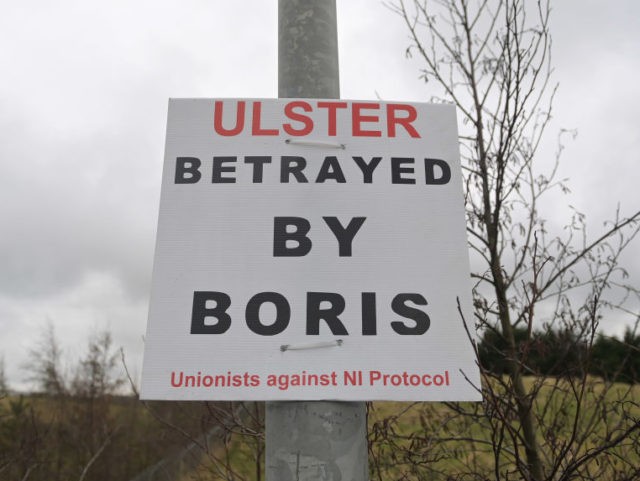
(310, 249)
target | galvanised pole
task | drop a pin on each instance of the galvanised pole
(320, 439)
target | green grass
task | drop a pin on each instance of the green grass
(435, 441)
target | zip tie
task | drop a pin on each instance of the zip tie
(315, 143)
(313, 345)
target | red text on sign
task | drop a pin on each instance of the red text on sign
(301, 118)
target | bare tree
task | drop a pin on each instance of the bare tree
(96, 380)
(4, 385)
(44, 364)
(492, 59)
(229, 444)
(97, 374)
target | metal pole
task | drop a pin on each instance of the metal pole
(322, 439)
(308, 49)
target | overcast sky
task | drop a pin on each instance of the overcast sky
(83, 99)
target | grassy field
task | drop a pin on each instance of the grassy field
(56, 438)
(434, 441)
(468, 441)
